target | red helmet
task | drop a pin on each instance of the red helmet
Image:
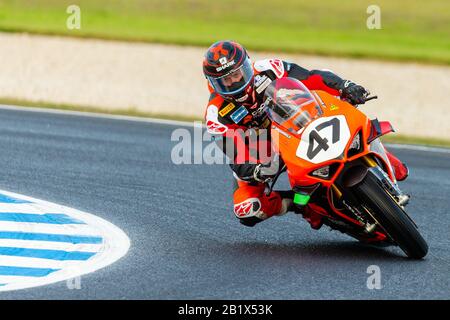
(229, 70)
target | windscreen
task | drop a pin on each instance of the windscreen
(290, 104)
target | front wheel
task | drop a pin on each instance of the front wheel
(391, 217)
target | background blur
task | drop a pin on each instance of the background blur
(153, 64)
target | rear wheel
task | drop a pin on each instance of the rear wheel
(391, 217)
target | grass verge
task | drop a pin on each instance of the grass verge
(411, 30)
(69, 107)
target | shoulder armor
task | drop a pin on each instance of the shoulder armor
(274, 65)
(213, 125)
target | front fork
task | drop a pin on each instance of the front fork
(377, 147)
(378, 168)
(386, 172)
(359, 172)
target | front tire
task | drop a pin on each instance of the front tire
(391, 217)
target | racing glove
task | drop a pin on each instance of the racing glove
(266, 172)
(354, 93)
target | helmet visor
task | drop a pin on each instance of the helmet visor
(235, 81)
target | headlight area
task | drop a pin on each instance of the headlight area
(326, 172)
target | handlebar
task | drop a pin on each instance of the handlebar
(370, 98)
(365, 100)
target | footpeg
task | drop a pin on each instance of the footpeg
(370, 227)
(403, 199)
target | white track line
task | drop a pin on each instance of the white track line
(27, 267)
(98, 115)
(177, 123)
(15, 279)
(27, 208)
(418, 148)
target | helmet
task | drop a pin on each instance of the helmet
(229, 71)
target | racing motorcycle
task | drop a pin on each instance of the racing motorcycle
(334, 159)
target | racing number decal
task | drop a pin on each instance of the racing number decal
(324, 139)
(322, 143)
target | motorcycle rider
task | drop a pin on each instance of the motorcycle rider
(237, 89)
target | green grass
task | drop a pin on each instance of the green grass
(412, 30)
(391, 138)
(402, 139)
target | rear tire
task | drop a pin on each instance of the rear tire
(391, 217)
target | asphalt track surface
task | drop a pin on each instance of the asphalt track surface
(185, 241)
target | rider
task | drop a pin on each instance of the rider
(237, 90)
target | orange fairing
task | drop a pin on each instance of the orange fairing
(318, 137)
(324, 140)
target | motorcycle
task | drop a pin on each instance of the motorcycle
(335, 160)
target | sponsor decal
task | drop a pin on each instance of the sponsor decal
(334, 107)
(261, 83)
(243, 209)
(277, 67)
(224, 111)
(247, 119)
(239, 114)
(247, 208)
(223, 60)
(226, 65)
(263, 86)
(258, 112)
(259, 80)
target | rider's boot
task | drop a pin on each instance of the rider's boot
(252, 205)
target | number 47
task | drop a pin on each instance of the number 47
(322, 143)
